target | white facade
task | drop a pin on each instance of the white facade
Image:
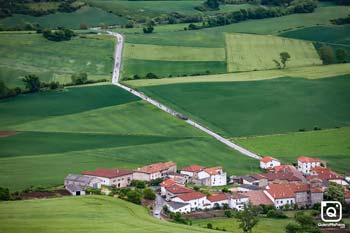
(305, 167)
(207, 179)
(198, 203)
(187, 173)
(183, 210)
(347, 178)
(280, 202)
(238, 203)
(270, 164)
(120, 182)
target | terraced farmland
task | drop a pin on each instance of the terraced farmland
(255, 52)
(24, 53)
(83, 214)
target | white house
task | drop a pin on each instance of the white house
(347, 178)
(306, 163)
(214, 176)
(269, 162)
(279, 195)
(191, 170)
(327, 174)
(111, 177)
(196, 200)
(77, 184)
(218, 200)
(237, 201)
(154, 171)
(174, 190)
(179, 207)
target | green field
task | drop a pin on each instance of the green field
(97, 126)
(83, 214)
(86, 15)
(260, 107)
(331, 145)
(232, 225)
(255, 52)
(24, 54)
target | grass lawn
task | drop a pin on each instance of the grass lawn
(311, 72)
(98, 126)
(83, 214)
(255, 52)
(260, 107)
(232, 225)
(90, 16)
(331, 145)
(24, 54)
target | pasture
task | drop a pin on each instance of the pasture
(260, 107)
(90, 16)
(24, 54)
(83, 214)
(331, 145)
(97, 126)
(256, 52)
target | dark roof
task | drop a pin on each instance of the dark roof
(108, 172)
(74, 188)
(249, 178)
(248, 186)
(83, 180)
(177, 205)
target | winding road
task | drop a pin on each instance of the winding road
(115, 81)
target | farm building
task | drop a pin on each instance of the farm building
(112, 177)
(178, 207)
(154, 171)
(192, 170)
(77, 184)
(214, 176)
(269, 162)
(196, 200)
(306, 163)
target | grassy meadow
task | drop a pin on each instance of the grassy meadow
(83, 214)
(26, 53)
(255, 52)
(97, 126)
(331, 145)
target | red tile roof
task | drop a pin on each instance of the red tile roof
(213, 170)
(284, 168)
(258, 197)
(193, 168)
(167, 183)
(108, 173)
(191, 196)
(238, 196)
(279, 191)
(177, 189)
(218, 197)
(267, 159)
(316, 190)
(156, 167)
(347, 194)
(305, 159)
(324, 173)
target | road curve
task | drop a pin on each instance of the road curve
(115, 81)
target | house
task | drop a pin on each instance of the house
(180, 207)
(347, 178)
(327, 175)
(237, 201)
(175, 190)
(196, 200)
(268, 162)
(258, 197)
(280, 195)
(306, 163)
(347, 196)
(192, 170)
(214, 176)
(165, 184)
(112, 176)
(243, 188)
(178, 178)
(218, 200)
(77, 184)
(154, 171)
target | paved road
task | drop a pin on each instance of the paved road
(158, 206)
(115, 81)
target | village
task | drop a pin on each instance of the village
(283, 186)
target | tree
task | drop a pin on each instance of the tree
(83, 26)
(341, 55)
(335, 192)
(32, 82)
(134, 196)
(248, 217)
(148, 29)
(140, 184)
(103, 25)
(212, 4)
(80, 78)
(326, 54)
(4, 194)
(284, 57)
(293, 228)
(149, 194)
(3, 89)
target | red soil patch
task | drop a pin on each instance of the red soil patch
(7, 133)
(45, 194)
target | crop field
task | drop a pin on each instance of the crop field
(24, 54)
(255, 52)
(331, 145)
(83, 214)
(167, 61)
(90, 16)
(97, 126)
(260, 107)
(339, 34)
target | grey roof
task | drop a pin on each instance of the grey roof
(248, 178)
(177, 205)
(74, 188)
(79, 178)
(248, 186)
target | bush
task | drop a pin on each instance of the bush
(4, 194)
(58, 35)
(228, 213)
(276, 214)
(134, 196)
(78, 79)
(149, 194)
(156, 182)
(209, 226)
(94, 191)
(151, 76)
(140, 184)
